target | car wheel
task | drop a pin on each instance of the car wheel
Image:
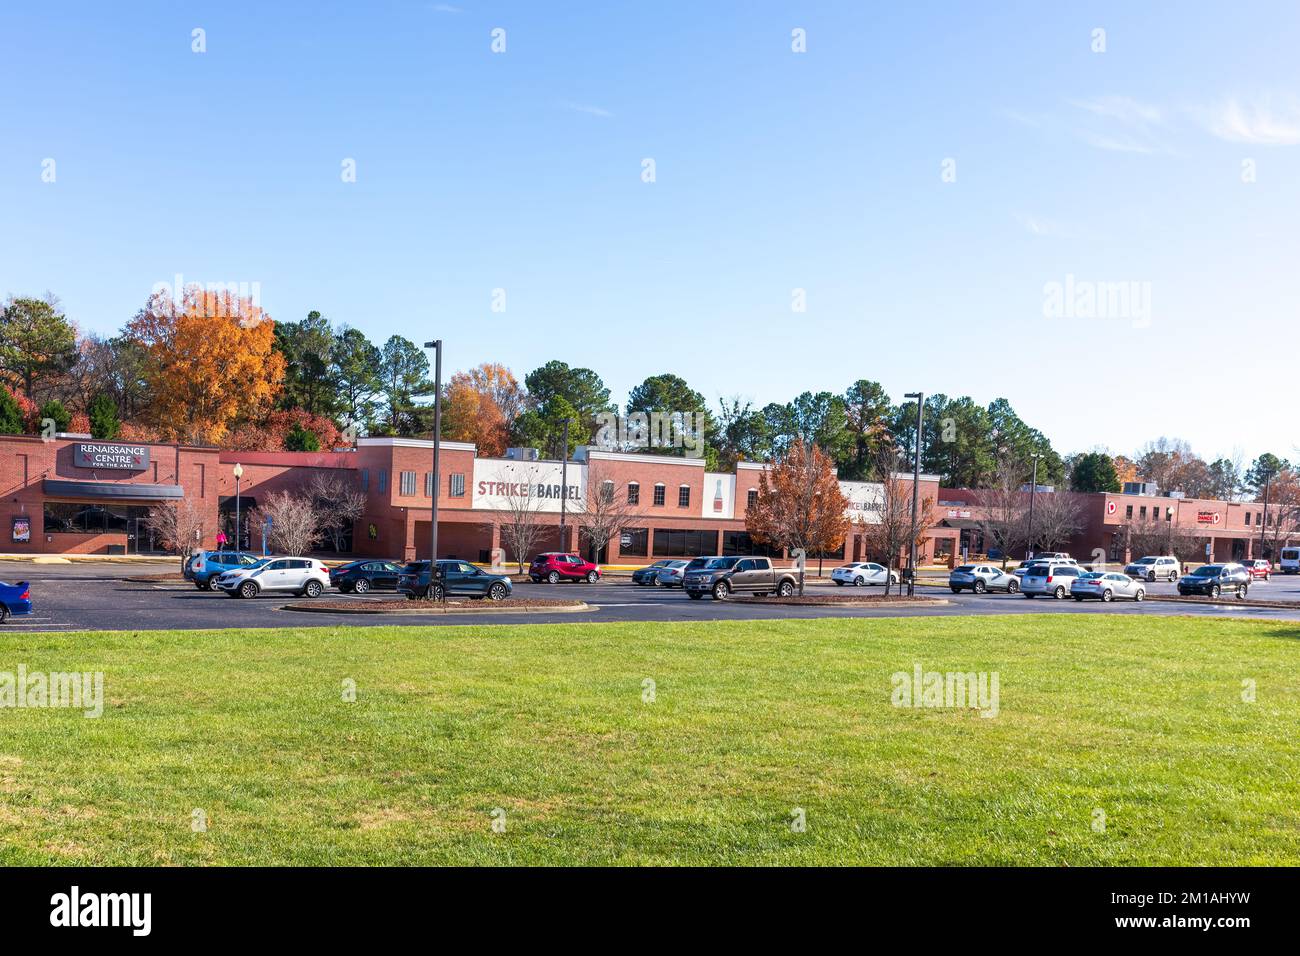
(593, 577)
(1241, 592)
(955, 590)
(1151, 576)
(1013, 587)
(1140, 596)
(1107, 595)
(1215, 590)
(553, 577)
(439, 593)
(859, 582)
(313, 589)
(979, 587)
(1268, 577)
(497, 592)
(360, 586)
(4, 613)
(1059, 593)
(786, 589)
(721, 590)
(248, 589)
(1173, 576)
(694, 595)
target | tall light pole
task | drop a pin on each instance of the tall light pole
(1263, 545)
(916, 490)
(238, 472)
(1033, 490)
(564, 486)
(436, 345)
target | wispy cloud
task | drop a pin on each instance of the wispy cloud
(1112, 123)
(586, 108)
(1037, 225)
(1260, 121)
(445, 8)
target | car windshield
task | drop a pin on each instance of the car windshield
(720, 563)
(965, 567)
(415, 567)
(1090, 576)
(1208, 571)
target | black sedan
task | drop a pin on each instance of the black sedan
(366, 575)
(650, 575)
(455, 579)
(1215, 579)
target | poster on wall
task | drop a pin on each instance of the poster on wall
(22, 530)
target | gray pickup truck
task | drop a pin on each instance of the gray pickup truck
(724, 576)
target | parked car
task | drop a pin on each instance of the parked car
(672, 575)
(649, 575)
(1214, 579)
(724, 576)
(1154, 567)
(15, 600)
(305, 576)
(455, 579)
(982, 577)
(1258, 568)
(862, 573)
(365, 575)
(1107, 586)
(206, 565)
(1053, 556)
(1290, 561)
(555, 567)
(1051, 579)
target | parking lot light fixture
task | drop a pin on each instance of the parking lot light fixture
(436, 345)
(238, 472)
(1033, 489)
(916, 491)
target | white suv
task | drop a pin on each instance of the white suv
(295, 575)
(1153, 567)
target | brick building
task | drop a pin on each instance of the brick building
(76, 495)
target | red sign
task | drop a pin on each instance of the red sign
(1111, 507)
(1207, 517)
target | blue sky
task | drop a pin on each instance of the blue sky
(775, 171)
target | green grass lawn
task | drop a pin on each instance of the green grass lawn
(1142, 718)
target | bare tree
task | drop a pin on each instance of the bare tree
(340, 503)
(606, 511)
(521, 514)
(179, 525)
(1006, 509)
(1155, 536)
(886, 523)
(297, 525)
(1057, 519)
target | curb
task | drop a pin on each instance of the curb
(449, 609)
(777, 602)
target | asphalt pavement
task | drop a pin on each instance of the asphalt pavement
(98, 597)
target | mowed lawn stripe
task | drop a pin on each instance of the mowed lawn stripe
(753, 725)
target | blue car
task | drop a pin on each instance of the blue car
(15, 599)
(206, 566)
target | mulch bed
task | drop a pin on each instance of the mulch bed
(405, 606)
(846, 600)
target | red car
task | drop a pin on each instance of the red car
(1258, 568)
(555, 567)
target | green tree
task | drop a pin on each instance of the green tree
(104, 423)
(36, 342)
(356, 365)
(543, 427)
(300, 439)
(957, 444)
(822, 419)
(557, 392)
(403, 377)
(1225, 479)
(1094, 471)
(54, 411)
(11, 416)
(1264, 470)
(742, 434)
(867, 408)
(310, 377)
(669, 395)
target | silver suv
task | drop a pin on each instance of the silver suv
(1055, 579)
(1151, 568)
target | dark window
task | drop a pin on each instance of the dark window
(383, 480)
(673, 542)
(607, 491)
(73, 518)
(751, 499)
(634, 542)
(428, 484)
(1142, 513)
(659, 496)
(408, 483)
(684, 496)
(365, 479)
(634, 495)
(457, 486)
(740, 542)
(1128, 511)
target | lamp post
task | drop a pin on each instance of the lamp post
(916, 490)
(1263, 542)
(238, 472)
(564, 487)
(1033, 489)
(436, 345)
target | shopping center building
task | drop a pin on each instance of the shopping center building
(75, 495)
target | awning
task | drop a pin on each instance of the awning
(136, 491)
(963, 523)
(227, 503)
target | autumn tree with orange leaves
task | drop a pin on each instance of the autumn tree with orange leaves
(209, 363)
(479, 407)
(800, 504)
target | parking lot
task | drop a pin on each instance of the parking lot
(91, 596)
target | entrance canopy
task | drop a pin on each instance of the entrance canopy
(59, 488)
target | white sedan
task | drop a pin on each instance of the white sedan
(862, 573)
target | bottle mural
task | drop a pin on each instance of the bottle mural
(717, 496)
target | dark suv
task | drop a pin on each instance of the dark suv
(455, 579)
(724, 575)
(554, 567)
(1213, 579)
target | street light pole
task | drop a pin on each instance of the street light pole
(239, 473)
(1263, 526)
(916, 491)
(436, 345)
(564, 487)
(1033, 490)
